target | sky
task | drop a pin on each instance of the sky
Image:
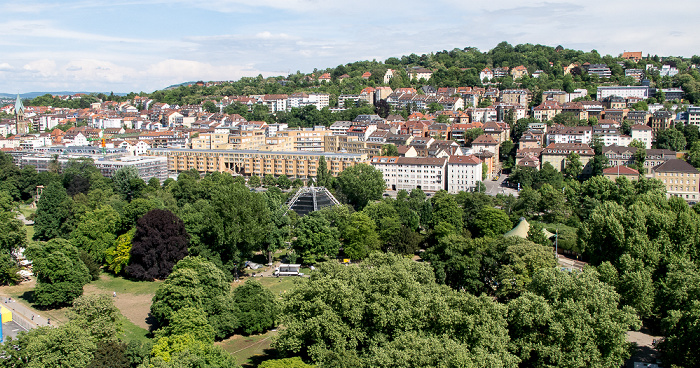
(142, 46)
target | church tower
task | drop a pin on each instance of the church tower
(21, 126)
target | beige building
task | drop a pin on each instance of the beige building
(557, 153)
(680, 179)
(250, 139)
(351, 144)
(615, 172)
(209, 141)
(249, 162)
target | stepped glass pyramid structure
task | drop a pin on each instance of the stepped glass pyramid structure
(309, 199)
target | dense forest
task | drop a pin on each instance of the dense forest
(473, 297)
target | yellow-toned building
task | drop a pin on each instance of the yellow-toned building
(248, 162)
(306, 139)
(680, 179)
(352, 144)
(250, 139)
(209, 141)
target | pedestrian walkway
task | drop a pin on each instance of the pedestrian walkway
(25, 316)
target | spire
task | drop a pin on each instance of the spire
(19, 107)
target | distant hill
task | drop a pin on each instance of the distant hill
(62, 93)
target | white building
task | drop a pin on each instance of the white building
(623, 91)
(565, 134)
(642, 133)
(425, 173)
(463, 173)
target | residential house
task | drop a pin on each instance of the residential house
(388, 75)
(463, 173)
(486, 142)
(661, 120)
(601, 70)
(642, 133)
(546, 111)
(622, 91)
(516, 96)
(635, 56)
(486, 74)
(419, 73)
(518, 72)
(560, 134)
(638, 117)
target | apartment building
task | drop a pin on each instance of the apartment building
(248, 162)
(425, 173)
(622, 91)
(557, 155)
(463, 173)
(680, 179)
(209, 141)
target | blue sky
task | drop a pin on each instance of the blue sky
(133, 46)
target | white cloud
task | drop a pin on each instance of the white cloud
(44, 67)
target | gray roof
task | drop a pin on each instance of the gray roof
(676, 165)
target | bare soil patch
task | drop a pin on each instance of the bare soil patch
(135, 307)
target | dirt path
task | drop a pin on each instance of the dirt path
(135, 307)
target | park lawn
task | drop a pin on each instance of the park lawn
(133, 332)
(247, 349)
(26, 210)
(118, 284)
(30, 232)
(277, 285)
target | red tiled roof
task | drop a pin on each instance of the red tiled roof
(621, 170)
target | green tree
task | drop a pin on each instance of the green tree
(315, 238)
(48, 347)
(269, 180)
(360, 184)
(446, 210)
(491, 222)
(671, 139)
(118, 256)
(128, 183)
(694, 154)
(8, 270)
(52, 213)
(188, 320)
(570, 320)
(254, 181)
(258, 307)
(94, 233)
(573, 168)
(294, 362)
(60, 272)
(389, 150)
(323, 175)
(360, 237)
(186, 350)
(97, 315)
(12, 233)
(283, 182)
(197, 283)
(387, 307)
(210, 107)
